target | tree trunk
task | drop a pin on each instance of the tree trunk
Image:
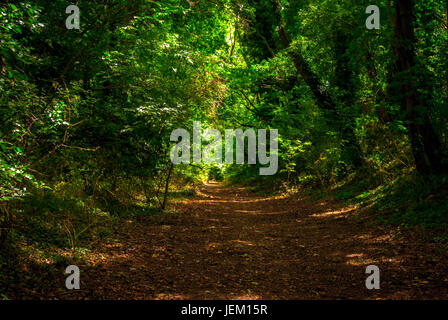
(166, 186)
(425, 143)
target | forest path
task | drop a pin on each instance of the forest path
(230, 244)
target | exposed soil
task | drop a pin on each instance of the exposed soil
(230, 244)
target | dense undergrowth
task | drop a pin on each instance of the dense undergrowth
(52, 228)
(87, 115)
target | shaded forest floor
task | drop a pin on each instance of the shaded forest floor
(231, 244)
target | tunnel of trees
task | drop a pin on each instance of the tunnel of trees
(86, 114)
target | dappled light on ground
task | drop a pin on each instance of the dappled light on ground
(278, 248)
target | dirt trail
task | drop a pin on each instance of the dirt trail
(230, 244)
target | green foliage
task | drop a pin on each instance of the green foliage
(412, 201)
(86, 115)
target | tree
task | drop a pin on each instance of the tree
(426, 146)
